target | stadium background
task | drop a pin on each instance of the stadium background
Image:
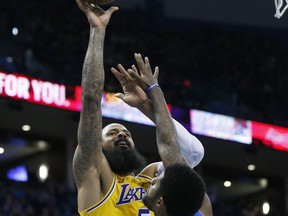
(227, 58)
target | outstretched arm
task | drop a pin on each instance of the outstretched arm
(133, 95)
(89, 164)
(166, 134)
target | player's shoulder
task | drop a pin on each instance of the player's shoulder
(206, 208)
(199, 213)
(150, 170)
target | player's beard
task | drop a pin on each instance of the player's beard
(124, 161)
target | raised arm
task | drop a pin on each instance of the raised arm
(89, 164)
(133, 95)
(166, 134)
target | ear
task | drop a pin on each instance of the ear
(161, 207)
(160, 202)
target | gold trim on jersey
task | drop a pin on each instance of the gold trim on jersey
(108, 194)
(144, 176)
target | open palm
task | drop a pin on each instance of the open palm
(97, 17)
(132, 94)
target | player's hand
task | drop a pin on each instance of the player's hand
(132, 94)
(97, 17)
(145, 78)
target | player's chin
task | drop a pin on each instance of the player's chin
(123, 147)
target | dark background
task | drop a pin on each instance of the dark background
(223, 57)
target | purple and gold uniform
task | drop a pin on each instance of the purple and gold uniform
(123, 198)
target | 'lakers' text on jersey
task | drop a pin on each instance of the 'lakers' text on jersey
(123, 198)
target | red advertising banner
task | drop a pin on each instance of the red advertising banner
(270, 135)
(46, 93)
(36, 91)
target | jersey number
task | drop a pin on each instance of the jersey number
(144, 212)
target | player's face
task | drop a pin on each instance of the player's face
(152, 195)
(119, 150)
(116, 136)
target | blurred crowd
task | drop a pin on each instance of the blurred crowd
(49, 199)
(56, 199)
(234, 70)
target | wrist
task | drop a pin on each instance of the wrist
(98, 30)
(155, 92)
(150, 88)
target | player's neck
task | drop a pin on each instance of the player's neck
(126, 174)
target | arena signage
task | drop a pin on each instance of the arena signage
(20, 87)
(239, 130)
(220, 126)
(46, 93)
(270, 135)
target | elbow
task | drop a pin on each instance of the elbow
(199, 155)
(196, 150)
(200, 150)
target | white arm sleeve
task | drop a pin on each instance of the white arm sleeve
(191, 148)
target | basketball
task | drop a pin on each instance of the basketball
(100, 2)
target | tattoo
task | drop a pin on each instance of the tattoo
(167, 143)
(169, 153)
(90, 124)
(80, 162)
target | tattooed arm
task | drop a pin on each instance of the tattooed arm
(134, 96)
(166, 134)
(90, 167)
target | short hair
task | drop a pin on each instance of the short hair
(182, 189)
